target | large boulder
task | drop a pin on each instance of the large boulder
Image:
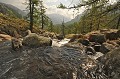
(118, 33)
(112, 64)
(5, 37)
(84, 41)
(60, 37)
(97, 47)
(118, 42)
(106, 47)
(90, 50)
(16, 43)
(49, 34)
(45, 63)
(111, 36)
(74, 37)
(99, 38)
(34, 40)
(74, 45)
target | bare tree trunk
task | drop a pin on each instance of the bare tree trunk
(91, 26)
(98, 24)
(63, 29)
(42, 17)
(118, 23)
(31, 14)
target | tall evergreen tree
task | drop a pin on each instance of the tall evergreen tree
(37, 13)
(32, 4)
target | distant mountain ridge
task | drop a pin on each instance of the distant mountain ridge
(57, 18)
(11, 10)
(76, 19)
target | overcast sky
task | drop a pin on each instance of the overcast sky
(51, 6)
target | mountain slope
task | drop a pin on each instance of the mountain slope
(57, 18)
(76, 19)
(10, 10)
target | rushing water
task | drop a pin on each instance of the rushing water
(97, 55)
(59, 43)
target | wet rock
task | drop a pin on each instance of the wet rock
(9, 30)
(43, 63)
(49, 34)
(0, 40)
(118, 42)
(60, 37)
(97, 47)
(90, 50)
(99, 38)
(111, 36)
(115, 43)
(74, 37)
(104, 30)
(84, 42)
(16, 43)
(118, 33)
(74, 45)
(112, 64)
(105, 48)
(33, 40)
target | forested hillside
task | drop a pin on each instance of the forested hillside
(10, 10)
(99, 14)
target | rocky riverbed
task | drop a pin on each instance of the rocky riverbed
(59, 59)
(45, 63)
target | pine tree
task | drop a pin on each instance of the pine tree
(37, 14)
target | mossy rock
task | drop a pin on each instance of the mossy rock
(70, 36)
(74, 37)
(33, 40)
(99, 38)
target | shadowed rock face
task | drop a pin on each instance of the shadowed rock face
(99, 38)
(45, 63)
(111, 63)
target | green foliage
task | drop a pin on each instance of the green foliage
(37, 13)
(61, 6)
(99, 14)
(50, 27)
